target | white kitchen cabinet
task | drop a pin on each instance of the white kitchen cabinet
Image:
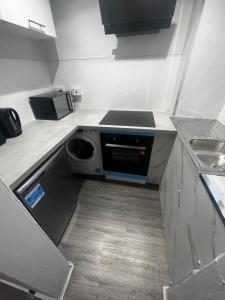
(194, 232)
(39, 11)
(33, 15)
(10, 12)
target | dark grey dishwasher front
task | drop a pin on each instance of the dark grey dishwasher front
(50, 195)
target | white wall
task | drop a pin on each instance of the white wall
(221, 117)
(23, 73)
(137, 72)
(203, 93)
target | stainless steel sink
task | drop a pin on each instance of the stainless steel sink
(210, 153)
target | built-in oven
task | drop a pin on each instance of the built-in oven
(126, 154)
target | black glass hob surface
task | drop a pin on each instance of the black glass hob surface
(129, 118)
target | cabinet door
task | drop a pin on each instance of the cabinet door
(163, 144)
(179, 234)
(210, 230)
(170, 201)
(168, 198)
(14, 12)
(33, 14)
(195, 234)
(186, 256)
(39, 13)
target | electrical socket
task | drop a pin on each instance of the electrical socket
(77, 91)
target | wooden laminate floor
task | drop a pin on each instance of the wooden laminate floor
(116, 242)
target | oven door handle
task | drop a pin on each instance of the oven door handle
(125, 147)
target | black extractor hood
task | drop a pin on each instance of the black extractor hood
(127, 17)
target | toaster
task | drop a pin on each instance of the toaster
(10, 122)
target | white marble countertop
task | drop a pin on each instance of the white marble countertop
(91, 118)
(20, 156)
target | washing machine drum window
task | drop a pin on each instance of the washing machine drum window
(81, 149)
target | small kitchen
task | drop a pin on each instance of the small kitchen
(112, 156)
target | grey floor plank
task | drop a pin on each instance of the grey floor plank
(116, 242)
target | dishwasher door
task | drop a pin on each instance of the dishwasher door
(50, 195)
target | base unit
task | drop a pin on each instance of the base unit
(195, 233)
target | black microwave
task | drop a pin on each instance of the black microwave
(52, 106)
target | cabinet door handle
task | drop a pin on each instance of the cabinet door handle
(33, 25)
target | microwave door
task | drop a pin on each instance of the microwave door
(70, 101)
(61, 106)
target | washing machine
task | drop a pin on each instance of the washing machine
(84, 152)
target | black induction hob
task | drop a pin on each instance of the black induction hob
(129, 118)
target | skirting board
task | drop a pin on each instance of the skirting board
(165, 288)
(39, 295)
(125, 179)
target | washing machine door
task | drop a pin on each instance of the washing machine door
(81, 148)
